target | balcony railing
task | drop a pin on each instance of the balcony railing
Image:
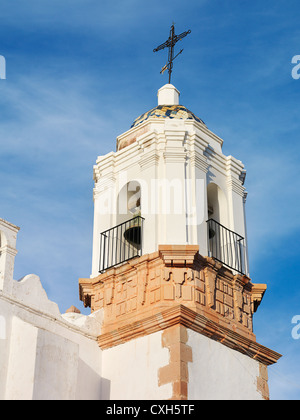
(227, 247)
(121, 243)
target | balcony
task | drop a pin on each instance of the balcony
(121, 243)
(227, 247)
(124, 242)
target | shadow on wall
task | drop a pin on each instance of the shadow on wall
(90, 385)
(105, 389)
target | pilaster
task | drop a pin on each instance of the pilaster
(8, 252)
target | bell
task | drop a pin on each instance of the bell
(133, 235)
(211, 233)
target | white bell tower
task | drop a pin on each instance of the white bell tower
(170, 272)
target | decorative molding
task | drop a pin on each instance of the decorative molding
(178, 255)
(5, 224)
(180, 315)
(258, 291)
(215, 160)
(143, 296)
(8, 250)
(149, 159)
(234, 165)
(235, 185)
(203, 129)
(199, 161)
(175, 135)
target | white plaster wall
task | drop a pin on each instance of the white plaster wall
(45, 355)
(220, 373)
(20, 361)
(4, 347)
(130, 370)
(56, 367)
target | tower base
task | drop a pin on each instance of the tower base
(177, 325)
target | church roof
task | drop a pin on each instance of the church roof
(167, 111)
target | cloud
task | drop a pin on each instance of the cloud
(50, 136)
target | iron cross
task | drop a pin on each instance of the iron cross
(170, 43)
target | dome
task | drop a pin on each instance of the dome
(167, 111)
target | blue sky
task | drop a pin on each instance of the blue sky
(80, 71)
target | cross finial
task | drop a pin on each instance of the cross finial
(170, 43)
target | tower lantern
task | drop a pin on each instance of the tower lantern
(169, 183)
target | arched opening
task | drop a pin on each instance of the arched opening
(224, 245)
(129, 202)
(217, 219)
(217, 204)
(129, 213)
(124, 241)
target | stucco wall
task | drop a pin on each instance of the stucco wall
(130, 370)
(43, 354)
(218, 372)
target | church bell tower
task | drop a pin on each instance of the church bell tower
(170, 271)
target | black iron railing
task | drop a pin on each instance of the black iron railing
(121, 243)
(227, 246)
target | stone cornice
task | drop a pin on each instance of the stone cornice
(178, 255)
(258, 291)
(235, 185)
(191, 125)
(149, 159)
(198, 161)
(234, 165)
(216, 160)
(175, 275)
(9, 225)
(202, 128)
(174, 156)
(181, 315)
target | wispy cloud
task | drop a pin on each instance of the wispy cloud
(48, 146)
(80, 71)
